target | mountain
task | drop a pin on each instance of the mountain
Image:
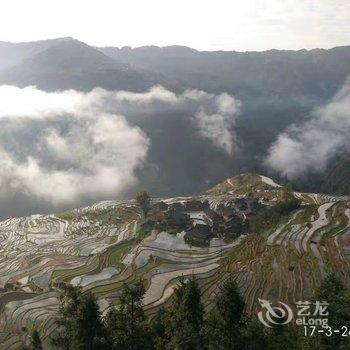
(70, 64)
(231, 229)
(13, 53)
(337, 178)
(309, 76)
(275, 76)
(277, 88)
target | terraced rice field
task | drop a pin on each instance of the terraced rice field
(97, 247)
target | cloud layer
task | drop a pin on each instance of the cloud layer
(219, 127)
(309, 147)
(69, 146)
(74, 149)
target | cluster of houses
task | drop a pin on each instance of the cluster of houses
(201, 222)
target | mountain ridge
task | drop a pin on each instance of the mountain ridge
(223, 68)
(66, 64)
(276, 89)
(69, 38)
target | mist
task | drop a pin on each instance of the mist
(64, 149)
(310, 146)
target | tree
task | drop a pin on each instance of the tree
(159, 330)
(280, 335)
(35, 343)
(126, 324)
(143, 199)
(80, 321)
(185, 331)
(255, 337)
(288, 193)
(333, 291)
(226, 320)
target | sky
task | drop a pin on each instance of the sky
(241, 25)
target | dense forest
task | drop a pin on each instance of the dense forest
(186, 324)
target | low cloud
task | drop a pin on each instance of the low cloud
(86, 159)
(67, 147)
(64, 147)
(219, 126)
(308, 147)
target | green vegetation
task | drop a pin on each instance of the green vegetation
(125, 327)
(144, 229)
(183, 323)
(13, 286)
(80, 321)
(186, 317)
(166, 227)
(334, 292)
(35, 343)
(143, 199)
(226, 321)
(270, 217)
(114, 245)
(68, 215)
(337, 179)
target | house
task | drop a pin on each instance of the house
(176, 206)
(226, 211)
(195, 205)
(212, 215)
(199, 235)
(160, 206)
(234, 226)
(241, 204)
(177, 218)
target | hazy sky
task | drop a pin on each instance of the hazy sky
(202, 24)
